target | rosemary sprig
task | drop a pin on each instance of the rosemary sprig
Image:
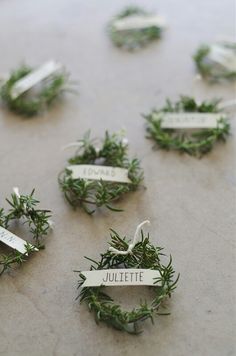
(197, 143)
(27, 105)
(135, 38)
(210, 70)
(144, 255)
(90, 194)
(24, 206)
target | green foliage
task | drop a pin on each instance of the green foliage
(133, 39)
(24, 207)
(196, 143)
(209, 69)
(144, 255)
(25, 105)
(90, 194)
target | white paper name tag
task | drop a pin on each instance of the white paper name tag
(189, 120)
(121, 277)
(35, 77)
(13, 241)
(224, 56)
(138, 22)
(106, 173)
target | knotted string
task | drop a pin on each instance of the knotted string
(78, 144)
(131, 246)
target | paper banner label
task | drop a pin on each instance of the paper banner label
(121, 277)
(224, 56)
(13, 241)
(138, 22)
(106, 173)
(35, 77)
(189, 120)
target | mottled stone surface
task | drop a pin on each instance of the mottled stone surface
(190, 202)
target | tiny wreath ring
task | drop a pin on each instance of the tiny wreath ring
(92, 194)
(33, 104)
(132, 39)
(24, 207)
(138, 255)
(196, 143)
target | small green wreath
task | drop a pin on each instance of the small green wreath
(24, 207)
(208, 68)
(91, 193)
(139, 255)
(31, 105)
(196, 143)
(135, 38)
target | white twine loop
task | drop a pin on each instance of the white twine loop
(17, 193)
(131, 246)
(51, 224)
(71, 144)
(78, 145)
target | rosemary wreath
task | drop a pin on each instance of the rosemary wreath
(209, 69)
(31, 105)
(24, 206)
(137, 255)
(91, 194)
(135, 38)
(196, 143)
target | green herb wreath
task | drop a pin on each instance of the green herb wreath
(196, 143)
(143, 255)
(31, 106)
(90, 194)
(24, 206)
(209, 69)
(133, 39)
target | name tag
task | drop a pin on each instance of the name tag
(35, 77)
(224, 56)
(138, 22)
(121, 277)
(13, 241)
(106, 173)
(189, 120)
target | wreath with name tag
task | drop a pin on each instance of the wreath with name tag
(194, 142)
(23, 207)
(132, 39)
(31, 103)
(141, 256)
(214, 70)
(91, 194)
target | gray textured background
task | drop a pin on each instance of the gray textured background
(190, 202)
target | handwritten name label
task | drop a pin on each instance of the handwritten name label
(121, 277)
(13, 241)
(225, 56)
(35, 77)
(138, 22)
(106, 173)
(189, 120)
